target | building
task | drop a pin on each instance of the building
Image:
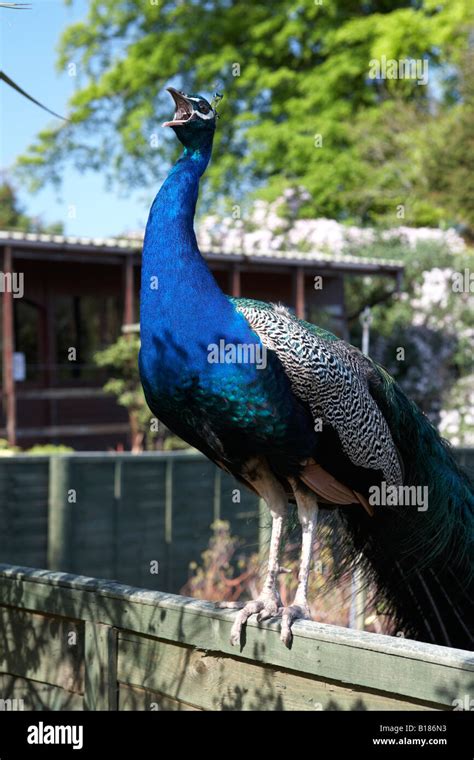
(64, 298)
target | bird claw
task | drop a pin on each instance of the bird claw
(266, 608)
(270, 610)
(290, 614)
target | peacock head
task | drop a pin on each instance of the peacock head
(194, 120)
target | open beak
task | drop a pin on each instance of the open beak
(184, 109)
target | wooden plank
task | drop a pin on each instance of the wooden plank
(60, 393)
(299, 292)
(8, 347)
(42, 648)
(192, 516)
(141, 523)
(412, 670)
(129, 290)
(92, 548)
(243, 515)
(23, 510)
(235, 284)
(58, 431)
(210, 681)
(217, 493)
(169, 478)
(100, 655)
(60, 514)
(135, 698)
(27, 695)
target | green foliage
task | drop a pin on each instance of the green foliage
(13, 217)
(6, 450)
(46, 449)
(289, 71)
(40, 449)
(434, 332)
(121, 359)
(449, 163)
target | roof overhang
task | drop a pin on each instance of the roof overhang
(110, 250)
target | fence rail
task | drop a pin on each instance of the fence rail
(76, 643)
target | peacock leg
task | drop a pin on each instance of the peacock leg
(308, 515)
(268, 602)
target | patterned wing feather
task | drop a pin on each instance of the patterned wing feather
(332, 378)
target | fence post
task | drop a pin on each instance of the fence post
(60, 514)
(118, 490)
(169, 473)
(217, 493)
(100, 659)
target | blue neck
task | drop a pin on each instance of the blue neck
(172, 266)
(182, 307)
(176, 200)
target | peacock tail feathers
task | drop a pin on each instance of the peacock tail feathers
(421, 559)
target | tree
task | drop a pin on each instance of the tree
(426, 338)
(298, 95)
(449, 165)
(13, 217)
(121, 359)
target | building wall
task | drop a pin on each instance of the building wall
(77, 301)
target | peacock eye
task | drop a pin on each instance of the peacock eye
(203, 107)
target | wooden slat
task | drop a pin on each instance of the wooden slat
(60, 514)
(58, 431)
(135, 698)
(34, 695)
(38, 647)
(23, 510)
(60, 393)
(100, 667)
(8, 348)
(210, 681)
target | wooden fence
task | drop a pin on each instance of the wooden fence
(76, 643)
(114, 515)
(111, 515)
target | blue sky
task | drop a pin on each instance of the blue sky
(28, 43)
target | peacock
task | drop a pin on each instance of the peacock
(313, 422)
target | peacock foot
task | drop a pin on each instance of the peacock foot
(289, 615)
(266, 607)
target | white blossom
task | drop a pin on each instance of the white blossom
(321, 235)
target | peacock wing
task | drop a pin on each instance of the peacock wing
(332, 378)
